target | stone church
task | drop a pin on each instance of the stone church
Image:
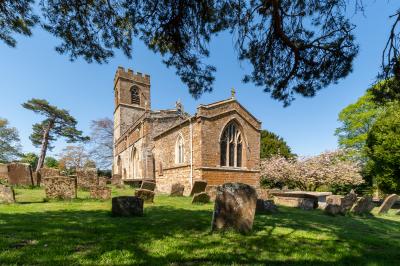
(219, 144)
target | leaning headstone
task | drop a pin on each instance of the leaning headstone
(348, 201)
(100, 192)
(148, 185)
(177, 190)
(60, 187)
(7, 194)
(363, 205)
(336, 204)
(235, 207)
(198, 187)
(266, 207)
(145, 194)
(20, 174)
(127, 206)
(388, 203)
(86, 178)
(201, 198)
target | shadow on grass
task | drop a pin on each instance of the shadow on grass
(176, 235)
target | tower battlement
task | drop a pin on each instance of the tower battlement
(131, 75)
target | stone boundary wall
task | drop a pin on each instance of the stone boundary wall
(60, 187)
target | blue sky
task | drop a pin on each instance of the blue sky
(35, 69)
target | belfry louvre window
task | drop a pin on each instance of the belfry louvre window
(231, 146)
(135, 97)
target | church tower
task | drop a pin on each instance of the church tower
(131, 99)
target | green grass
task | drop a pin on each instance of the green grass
(173, 231)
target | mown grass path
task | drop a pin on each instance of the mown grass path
(173, 231)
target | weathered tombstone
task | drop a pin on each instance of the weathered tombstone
(336, 204)
(198, 187)
(7, 194)
(177, 190)
(148, 185)
(298, 200)
(3, 172)
(200, 198)
(102, 181)
(116, 179)
(20, 174)
(235, 207)
(60, 187)
(43, 173)
(145, 194)
(363, 205)
(388, 203)
(86, 178)
(100, 192)
(266, 206)
(127, 206)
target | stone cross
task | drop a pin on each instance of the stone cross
(233, 93)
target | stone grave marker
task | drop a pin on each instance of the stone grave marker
(336, 204)
(388, 203)
(266, 207)
(60, 187)
(145, 194)
(148, 185)
(198, 187)
(100, 192)
(201, 198)
(7, 194)
(363, 205)
(20, 174)
(127, 206)
(235, 207)
(87, 178)
(3, 171)
(177, 190)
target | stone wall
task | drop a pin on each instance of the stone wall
(60, 187)
(3, 172)
(87, 178)
(171, 176)
(20, 174)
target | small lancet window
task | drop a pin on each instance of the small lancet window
(231, 146)
(179, 150)
(135, 97)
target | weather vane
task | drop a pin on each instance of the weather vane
(233, 93)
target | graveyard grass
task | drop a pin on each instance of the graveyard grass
(173, 231)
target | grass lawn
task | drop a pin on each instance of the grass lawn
(173, 231)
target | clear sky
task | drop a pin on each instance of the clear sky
(35, 69)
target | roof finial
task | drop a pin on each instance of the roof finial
(233, 93)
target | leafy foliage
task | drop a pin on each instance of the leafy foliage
(294, 46)
(51, 162)
(30, 158)
(272, 144)
(9, 142)
(356, 121)
(57, 123)
(383, 144)
(75, 157)
(310, 173)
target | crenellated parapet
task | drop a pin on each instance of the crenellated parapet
(129, 74)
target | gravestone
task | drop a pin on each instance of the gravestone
(298, 200)
(336, 204)
(45, 172)
(102, 181)
(3, 172)
(116, 179)
(348, 201)
(7, 194)
(235, 207)
(100, 192)
(145, 194)
(60, 187)
(86, 178)
(148, 185)
(266, 206)
(363, 205)
(177, 190)
(20, 174)
(198, 187)
(388, 203)
(127, 206)
(201, 198)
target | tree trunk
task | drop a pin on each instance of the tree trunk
(45, 143)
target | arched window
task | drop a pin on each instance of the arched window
(135, 97)
(231, 146)
(179, 150)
